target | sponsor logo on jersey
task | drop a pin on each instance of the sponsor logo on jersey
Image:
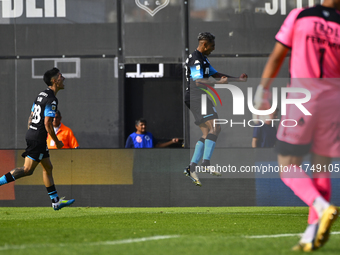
(197, 62)
(139, 139)
(43, 94)
(325, 13)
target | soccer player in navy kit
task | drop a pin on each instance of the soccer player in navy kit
(198, 71)
(39, 124)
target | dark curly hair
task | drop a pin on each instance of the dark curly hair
(49, 75)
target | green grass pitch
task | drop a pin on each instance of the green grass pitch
(187, 230)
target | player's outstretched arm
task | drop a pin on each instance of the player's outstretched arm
(243, 77)
(211, 82)
(166, 144)
(270, 71)
(274, 64)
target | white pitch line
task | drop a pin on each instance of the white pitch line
(281, 235)
(124, 241)
(135, 240)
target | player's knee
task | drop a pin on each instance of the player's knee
(28, 171)
(49, 169)
(217, 129)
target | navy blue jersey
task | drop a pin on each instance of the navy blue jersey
(197, 67)
(45, 105)
(140, 141)
(266, 136)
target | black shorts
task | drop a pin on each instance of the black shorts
(288, 149)
(195, 107)
(36, 150)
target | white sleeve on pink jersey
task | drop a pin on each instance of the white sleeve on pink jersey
(285, 34)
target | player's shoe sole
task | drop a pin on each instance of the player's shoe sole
(206, 167)
(328, 218)
(195, 181)
(62, 203)
(214, 173)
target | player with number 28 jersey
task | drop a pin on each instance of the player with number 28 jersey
(39, 124)
(45, 105)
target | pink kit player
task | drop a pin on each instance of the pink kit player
(313, 35)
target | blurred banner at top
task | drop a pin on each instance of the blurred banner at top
(57, 11)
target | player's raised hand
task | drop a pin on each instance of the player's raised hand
(243, 77)
(175, 140)
(223, 80)
(261, 98)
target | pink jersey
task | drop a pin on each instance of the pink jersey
(313, 34)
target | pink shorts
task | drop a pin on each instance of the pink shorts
(321, 129)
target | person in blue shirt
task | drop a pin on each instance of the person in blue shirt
(265, 136)
(143, 139)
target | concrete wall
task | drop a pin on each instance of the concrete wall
(106, 35)
(150, 177)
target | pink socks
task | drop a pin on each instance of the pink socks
(301, 184)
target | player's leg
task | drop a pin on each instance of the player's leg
(190, 171)
(303, 186)
(326, 146)
(57, 203)
(210, 141)
(209, 145)
(198, 153)
(199, 147)
(323, 186)
(19, 172)
(322, 183)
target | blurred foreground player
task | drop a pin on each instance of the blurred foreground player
(39, 124)
(198, 71)
(312, 34)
